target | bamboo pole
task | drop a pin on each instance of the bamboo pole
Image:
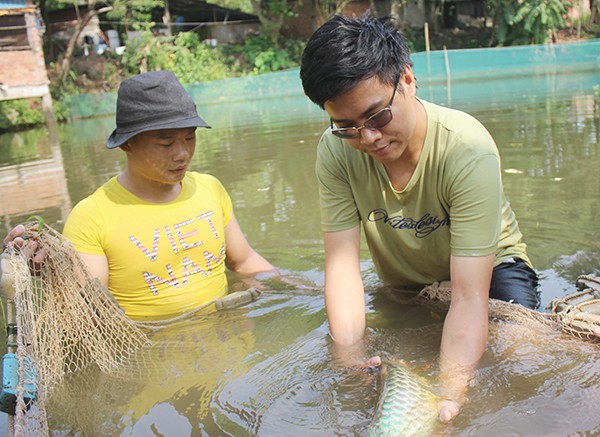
(448, 77)
(427, 48)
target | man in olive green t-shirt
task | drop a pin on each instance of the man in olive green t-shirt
(425, 184)
(409, 231)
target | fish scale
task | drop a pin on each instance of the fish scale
(406, 406)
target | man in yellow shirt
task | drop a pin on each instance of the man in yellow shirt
(158, 236)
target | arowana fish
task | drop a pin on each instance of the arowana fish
(406, 407)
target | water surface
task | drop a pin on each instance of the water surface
(266, 369)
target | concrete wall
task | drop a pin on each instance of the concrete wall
(23, 72)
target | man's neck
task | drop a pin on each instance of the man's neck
(150, 191)
(400, 171)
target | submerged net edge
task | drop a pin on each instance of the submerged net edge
(575, 320)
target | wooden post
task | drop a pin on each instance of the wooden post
(167, 19)
(48, 110)
(448, 79)
(426, 31)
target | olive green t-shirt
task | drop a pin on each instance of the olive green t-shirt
(454, 203)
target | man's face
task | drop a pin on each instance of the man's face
(161, 156)
(388, 143)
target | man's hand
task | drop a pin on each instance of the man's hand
(374, 362)
(455, 380)
(15, 236)
(448, 409)
(29, 248)
(353, 356)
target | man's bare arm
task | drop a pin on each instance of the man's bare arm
(344, 290)
(465, 329)
(241, 257)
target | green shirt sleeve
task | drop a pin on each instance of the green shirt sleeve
(338, 208)
(475, 199)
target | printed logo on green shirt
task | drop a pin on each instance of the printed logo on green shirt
(422, 227)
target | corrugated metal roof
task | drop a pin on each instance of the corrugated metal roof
(13, 4)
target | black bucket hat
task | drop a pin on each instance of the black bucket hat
(152, 101)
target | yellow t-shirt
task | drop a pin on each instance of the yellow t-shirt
(164, 259)
(453, 204)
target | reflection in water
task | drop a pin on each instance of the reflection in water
(168, 386)
(266, 369)
(32, 175)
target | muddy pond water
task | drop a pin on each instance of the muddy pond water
(265, 369)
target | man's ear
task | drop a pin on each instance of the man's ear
(409, 80)
(125, 147)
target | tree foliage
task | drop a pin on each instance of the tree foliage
(272, 15)
(134, 11)
(527, 21)
(20, 114)
(184, 55)
(238, 5)
(324, 9)
(259, 55)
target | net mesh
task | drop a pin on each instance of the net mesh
(66, 322)
(577, 314)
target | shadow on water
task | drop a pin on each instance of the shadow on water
(265, 369)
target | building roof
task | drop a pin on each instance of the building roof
(13, 4)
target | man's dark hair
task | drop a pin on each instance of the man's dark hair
(344, 51)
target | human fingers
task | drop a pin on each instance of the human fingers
(14, 235)
(34, 255)
(448, 409)
(350, 358)
(29, 248)
(37, 261)
(361, 363)
(374, 362)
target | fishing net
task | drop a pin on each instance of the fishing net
(61, 323)
(577, 314)
(65, 320)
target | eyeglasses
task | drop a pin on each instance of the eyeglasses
(376, 121)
